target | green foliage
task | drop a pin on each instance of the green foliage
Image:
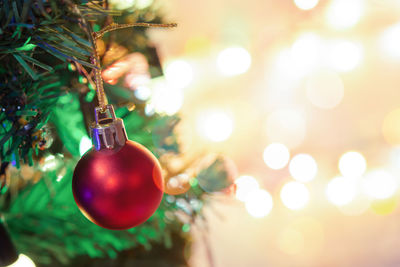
(43, 54)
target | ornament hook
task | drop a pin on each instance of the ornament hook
(108, 131)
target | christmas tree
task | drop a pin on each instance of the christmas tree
(48, 94)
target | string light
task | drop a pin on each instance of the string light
(233, 61)
(215, 125)
(259, 203)
(276, 156)
(245, 185)
(295, 195)
(303, 168)
(352, 164)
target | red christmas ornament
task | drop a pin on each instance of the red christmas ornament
(117, 184)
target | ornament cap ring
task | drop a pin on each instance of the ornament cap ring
(108, 131)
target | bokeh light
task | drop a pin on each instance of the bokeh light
(384, 206)
(389, 42)
(295, 195)
(286, 126)
(276, 156)
(352, 164)
(379, 184)
(324, 89)
(303, 168)
(50, 163)
(306, 4)
(142, 92)
(344, 14)
(142, 4)
(177, 185)
(259, 203)
(391, 127)
(122, 4)
(233, 61)
(84, 145)
(215, 125)
(245, 185)
(345, 55)
(305, 52)
(178, 73)
(340, 191)
(166, 100)
(23, 261)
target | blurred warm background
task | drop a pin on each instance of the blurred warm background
(303, 98)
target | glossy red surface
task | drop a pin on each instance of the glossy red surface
(118, 190)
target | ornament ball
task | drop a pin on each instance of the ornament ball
(118, 189)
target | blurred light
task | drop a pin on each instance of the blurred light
(391, 127)
(61, 173)
(178, 73)
(233, 61)
(259, 203)
(303, 168)
(142, 4)
(215, 125)
(286, 126)
(177, 185)
(244, 186)
(345, 55)
(379, 184)
(295, 195)
(343, 14)
(306, 4)
(384, 207)
(166, 99)
(149, 109)
(50, 163)
(340, 191)
(276, 156)
(84, 145)
(142, 93)
(352, 164)
(122, 4)
(23, 261)
(285, 66)
(305, 52)
(389, 42)
(325, 89)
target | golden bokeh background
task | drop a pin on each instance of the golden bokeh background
(304, 97)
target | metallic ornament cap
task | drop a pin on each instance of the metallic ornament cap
(108, 131)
